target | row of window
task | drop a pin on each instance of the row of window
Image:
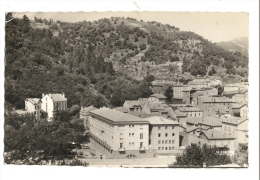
(166, 127)
(166, 141)
(166, 134)
(166, 148)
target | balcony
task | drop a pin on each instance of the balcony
(121, 149)
(141, 148)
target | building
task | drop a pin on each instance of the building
(240, 96)
(204, 123)
(230, 88)
(219, 139)
(84, 112)
(205, 102)
(178, 91)
(52, 103)
(190, 111)
(240, 110)
(132, 105)
(237, 127)
(33, 105)
(157, 98)
(119, 135)
(164, 134)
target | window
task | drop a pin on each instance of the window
(172, 142)
(172, 148)
(166, 134)
(141, 144)
(173, 126)
(159, 142)
(133, 143)
(133, 125)
(228, 128)
(132, 134)
(159, 135)
(178, 120)
(169, 141)
(162, 141)
(141, 135)
(129, 125)
(159, 127)
(172, 134)
(166, 127)
(129, 144)
(159, 148)
(121, 145)
(165, 148)
(165, 141)
(162, 148)
(169, 148)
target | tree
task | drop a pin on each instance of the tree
(195, 156)
(149, 78)
(169, 93)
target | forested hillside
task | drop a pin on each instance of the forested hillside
(104, 62)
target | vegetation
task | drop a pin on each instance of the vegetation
(195, 156)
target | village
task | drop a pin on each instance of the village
(152, 128)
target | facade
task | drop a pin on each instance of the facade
(132, 106)
(119, 135)
(241, 110)
(219, 139)
(84, 112)
(229, 88)
(33, 105)
(157, 98)
(52, 103)
(178, 91)
(190, 111)
(237, 127)
(164, 134)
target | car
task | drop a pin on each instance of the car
(85, 147)
(80, 153)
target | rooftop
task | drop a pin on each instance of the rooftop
(85, 111)
(159, 96)
(156, 106)
(188, 108)
(160, 120)
(237, 105)
(208, 121)
(133, 103)
(233, 120)
(33, 100)
(58, 97)
(116, 116)
(213, 134)
(121, 109)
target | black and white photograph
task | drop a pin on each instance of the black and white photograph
(127, 89)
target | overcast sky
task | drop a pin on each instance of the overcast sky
(212, 26)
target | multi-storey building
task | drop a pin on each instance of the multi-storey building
(237, 127)
(178, 91)
(33, 105)
(164, 134)
(190, 111)
(119, 135)
(52, 103)
(157, 98)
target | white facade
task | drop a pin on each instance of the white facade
(52, 103)
(33, 105)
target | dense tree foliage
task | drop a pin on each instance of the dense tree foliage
(195, 156)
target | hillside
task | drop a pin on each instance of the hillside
(236, 45)
(105, 62)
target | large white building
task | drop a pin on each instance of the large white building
(119, 135)
(52, 103)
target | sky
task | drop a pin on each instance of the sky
(216, 27)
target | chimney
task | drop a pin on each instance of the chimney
(63, 94)
(42, 95)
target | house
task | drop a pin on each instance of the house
(164, 134)
(237, 127)
(132, 105)
(205, 123)
(205, 102)
(229, 88)
(240, 96)
(219, 139)
(156, 107)
(241, 110)
(157, 98)
(190, 111)
(119, 135)
(33, 105)
(178, 91)
(52, 103)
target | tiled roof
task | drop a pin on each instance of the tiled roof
(116, 116)
(121, 109)
(133, 103)
(160, 120)
(58, 97)
(213, 134)
(208, 121)
(233, 120)
(237, 105)
(159, 96)
(33, 100)
(188, 108)
(194, 120)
